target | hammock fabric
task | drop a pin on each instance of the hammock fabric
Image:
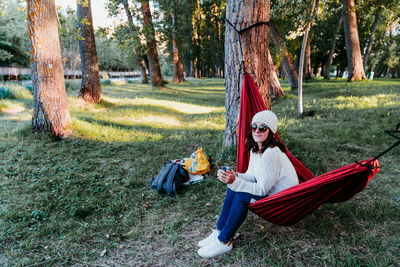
(291, 205)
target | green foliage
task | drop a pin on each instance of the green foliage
(24, 77)
(73, 85)
(14, 42)
(14, 91)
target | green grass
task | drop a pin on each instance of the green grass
(86, 200)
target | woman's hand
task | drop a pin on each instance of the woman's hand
(226, 177)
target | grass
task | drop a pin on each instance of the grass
(86, 200)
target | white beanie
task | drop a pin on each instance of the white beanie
(268, 118)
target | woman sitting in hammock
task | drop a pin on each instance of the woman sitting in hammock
(269, 172)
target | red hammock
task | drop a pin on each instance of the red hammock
(291, 205)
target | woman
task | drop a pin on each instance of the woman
(269, 172)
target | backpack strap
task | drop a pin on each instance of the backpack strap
(159, 179)
(170, 185)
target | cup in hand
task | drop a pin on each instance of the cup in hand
(225, 168)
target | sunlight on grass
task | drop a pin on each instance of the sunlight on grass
(374, 101)
(175, 105)
(110, 133)
(11, 106)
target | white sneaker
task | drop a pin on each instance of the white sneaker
(209, 239)
(216, 248)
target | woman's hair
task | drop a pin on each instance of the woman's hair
(271, 141)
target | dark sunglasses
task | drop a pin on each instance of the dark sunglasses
(262, 128)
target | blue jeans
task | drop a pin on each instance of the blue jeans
(233, 213)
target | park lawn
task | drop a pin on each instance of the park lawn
(86, 200)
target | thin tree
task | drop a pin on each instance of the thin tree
(138, 46)
(308, 71)
(178, 75)
(354, 59)
(301, 64)
(50, 106)
(275, 85)
(157, 79)
(333, 45)
(371, 36)
(287, 61)
(242, 14)
(90, 89)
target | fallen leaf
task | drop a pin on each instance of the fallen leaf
(103, 253)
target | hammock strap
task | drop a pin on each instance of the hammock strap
(391, 133)
(239, 32)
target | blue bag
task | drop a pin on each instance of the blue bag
(170, 179)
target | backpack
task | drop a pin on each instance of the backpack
(170, 178)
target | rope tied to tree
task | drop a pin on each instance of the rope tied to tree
(242, 67)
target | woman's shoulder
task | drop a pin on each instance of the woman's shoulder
(273, 150)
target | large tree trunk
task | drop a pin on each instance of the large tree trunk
(90, 89)
(275, 86)
(178, 75)
(50, 106)
(287, 61)
(371, 37)
(354, 59)
(157, 79)
(255, 48)
(328, 63)
(138, 46)
(308, 71)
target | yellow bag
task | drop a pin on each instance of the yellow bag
(198, 163)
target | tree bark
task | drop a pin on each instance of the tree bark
(157, 79)
(275, 86)
(308, 72)
(90, 89)
(50, 106)
(371, 37)
(138, 46)
(287, 61)
(197, 60)
(354, 59)
(142, 68)
(328, 63)
(242, 14)
(178, 75)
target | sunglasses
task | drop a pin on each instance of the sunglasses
(262, 128)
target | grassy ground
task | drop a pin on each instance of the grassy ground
(86, 200)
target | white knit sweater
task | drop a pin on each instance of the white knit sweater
(267, 174)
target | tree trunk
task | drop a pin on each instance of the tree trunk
(197, 60)
(308, 72)
(178, 75)
(90, 89)
(142, 68)
(242, 14)
(50, 106)
(354, 59)
(371, 37)
(301, 63)
(287, 61)
(157, 79)
(275, 86)
(319, 70)
(138, 46)
(328, 63)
